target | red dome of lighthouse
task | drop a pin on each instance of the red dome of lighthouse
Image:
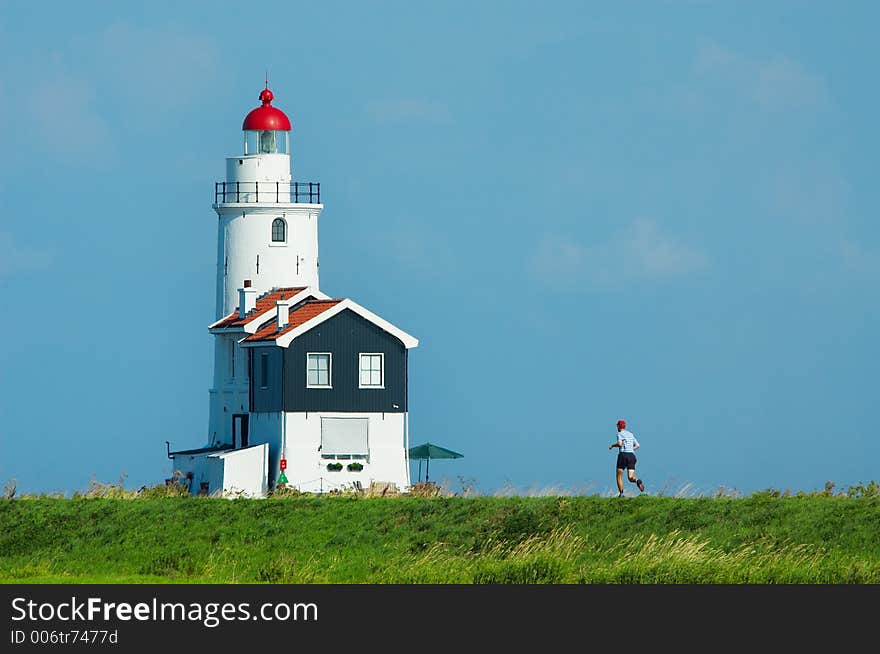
(266, 117)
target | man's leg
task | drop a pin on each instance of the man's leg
(631, 473)
(620, 480)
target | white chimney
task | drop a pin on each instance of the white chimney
(283, 318)
(247, 298)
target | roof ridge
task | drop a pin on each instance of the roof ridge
(278, 289)
(266, 333)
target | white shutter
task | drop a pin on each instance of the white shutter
(344, 436)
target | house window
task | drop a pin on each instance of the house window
(279, 231)
(345, 438)
(264, 370)
(232, 359)
(318, 370)
(372, 368)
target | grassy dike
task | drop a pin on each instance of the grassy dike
(762, 538)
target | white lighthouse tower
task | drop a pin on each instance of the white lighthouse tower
(267, 237)
(268, 224)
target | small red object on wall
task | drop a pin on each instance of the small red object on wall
(284, 464)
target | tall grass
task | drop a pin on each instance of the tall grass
(157, 535)
(565, 557)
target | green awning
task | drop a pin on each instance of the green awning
(431, 451)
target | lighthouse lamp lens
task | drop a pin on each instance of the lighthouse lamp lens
(267, 141)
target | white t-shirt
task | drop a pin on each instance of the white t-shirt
(627, 441)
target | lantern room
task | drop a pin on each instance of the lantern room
(266, 128)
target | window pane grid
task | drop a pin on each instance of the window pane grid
(371, 370)
(318, 370)
(278, 231)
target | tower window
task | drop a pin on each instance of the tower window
(279, 231)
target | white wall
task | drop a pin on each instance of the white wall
(307, 471)
(232, 473)
(245, 471)
(266, 428)
(245, 232)
(229, 394)
(202, 469)
(262, 168)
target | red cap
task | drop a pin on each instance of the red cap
(621, 423)
(266, 116)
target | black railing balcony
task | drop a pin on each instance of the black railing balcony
(249, 192)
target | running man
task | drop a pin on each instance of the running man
(626, 458)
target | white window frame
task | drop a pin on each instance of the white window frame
(329, 356)
(360, 458)
(381, 384)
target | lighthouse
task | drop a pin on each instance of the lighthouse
(309, 391)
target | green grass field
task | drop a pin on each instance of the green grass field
(763, 538)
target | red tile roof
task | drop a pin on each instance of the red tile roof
(264, 303)
(301, 314)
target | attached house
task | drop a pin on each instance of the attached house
(327, 394)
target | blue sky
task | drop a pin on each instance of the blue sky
(665, 212)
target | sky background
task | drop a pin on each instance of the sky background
(664, 212)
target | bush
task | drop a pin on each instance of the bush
(109, 491)
(334, 467)
(175, 488)
(355, 466)
(281, 491)
(871, 489)
(425, 489)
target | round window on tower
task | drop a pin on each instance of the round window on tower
(279, 231)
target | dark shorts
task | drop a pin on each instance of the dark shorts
(626, 460)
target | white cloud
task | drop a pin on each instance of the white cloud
(407, 110)
(859, 260)
(712, 57)
(806, 195)
(63, 121)
(157, 69)
(15, 258)
(420, 249)
(639, 252)
(782, 82)
(773, 84)
(67, 97)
